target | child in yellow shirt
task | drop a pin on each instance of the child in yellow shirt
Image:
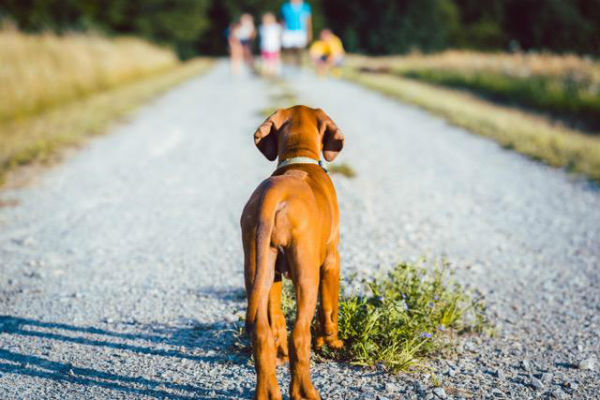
(327, 52)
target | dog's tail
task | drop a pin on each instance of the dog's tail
(264, 273)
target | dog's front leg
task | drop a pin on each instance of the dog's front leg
(329, 306)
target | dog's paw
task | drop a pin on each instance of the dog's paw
(319, 342)
(269, 392)
(332, 342)
(304, 391)
(336, 344)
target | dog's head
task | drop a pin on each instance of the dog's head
(299, 131)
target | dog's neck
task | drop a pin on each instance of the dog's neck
(300, 160)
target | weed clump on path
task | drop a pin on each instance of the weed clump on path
(398, 320)
(342, 169)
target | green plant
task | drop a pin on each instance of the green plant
(410, 314)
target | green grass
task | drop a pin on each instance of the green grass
(565, 98)
(39, 137)
(537, 137)
(342, 169)
(401, 319)
(564, 86)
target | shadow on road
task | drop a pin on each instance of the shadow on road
(213, 339)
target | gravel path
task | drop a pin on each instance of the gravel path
(121, 269)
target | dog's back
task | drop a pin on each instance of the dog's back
(296, 198)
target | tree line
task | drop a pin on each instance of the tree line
(366, 26)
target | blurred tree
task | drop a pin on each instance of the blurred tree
(393, 26)
(375, 26)
(553, 24)
(482, 24)
(179, 23)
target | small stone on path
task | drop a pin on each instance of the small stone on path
(587, 364)
(440, 392)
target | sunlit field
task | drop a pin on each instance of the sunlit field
(39, 71)
(57, 90)
(565, 85)
(533, 87)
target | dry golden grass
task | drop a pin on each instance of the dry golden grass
(39, 136)
(519, 65)
(40, 71)
(342, 169)
(564, 86)
(528, 134)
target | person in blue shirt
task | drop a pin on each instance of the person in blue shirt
(297, 27)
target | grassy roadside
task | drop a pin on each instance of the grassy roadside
(37, 137)
(565, 86)
(46, 70)
(534, 136)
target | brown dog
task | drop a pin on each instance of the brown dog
(290, 226)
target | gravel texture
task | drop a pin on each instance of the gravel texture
(121, 270)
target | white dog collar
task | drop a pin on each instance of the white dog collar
(301, 160)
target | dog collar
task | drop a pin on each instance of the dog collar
(301, 160)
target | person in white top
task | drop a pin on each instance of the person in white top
(270, 44)
(246, 34)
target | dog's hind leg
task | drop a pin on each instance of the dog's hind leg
(329, 292)
(305, 275)
(277, 320)
(263, 344)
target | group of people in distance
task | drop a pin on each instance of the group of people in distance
(292, 36)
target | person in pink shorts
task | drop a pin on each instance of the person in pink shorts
(270, 44)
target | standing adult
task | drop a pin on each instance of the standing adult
(297, 28)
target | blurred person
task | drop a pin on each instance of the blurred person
(327, 52)
(270, 44)
(297, 33)
(236, 53)
(246, 34)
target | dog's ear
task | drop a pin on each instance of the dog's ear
(333, 140)
(266, 135)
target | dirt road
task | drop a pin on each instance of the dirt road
(121, 269)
